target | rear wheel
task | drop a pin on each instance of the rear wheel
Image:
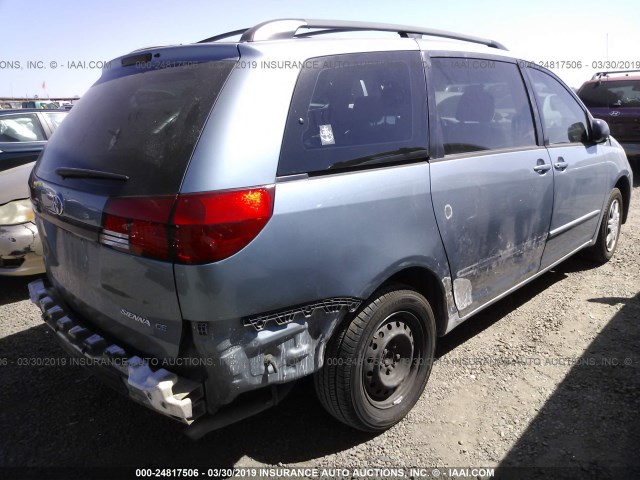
(377, 365)
(609, 231)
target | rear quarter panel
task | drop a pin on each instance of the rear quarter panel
(335, 235)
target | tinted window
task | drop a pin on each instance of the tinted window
(563, 119)
(20, 128)
(143, 125)
(616, 94)
(481, 105)
(351, 110)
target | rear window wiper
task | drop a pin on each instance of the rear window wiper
(68, 172)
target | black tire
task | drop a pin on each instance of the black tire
(609, 231)
(377, 365)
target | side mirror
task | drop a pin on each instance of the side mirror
(599, 130)
(577, 132)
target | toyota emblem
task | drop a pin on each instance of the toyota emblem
(57, 207)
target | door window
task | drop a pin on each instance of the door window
(563, 119)
(481, 105)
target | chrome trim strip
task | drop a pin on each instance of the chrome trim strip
(291, 178)
(567, 226)
(114, 242)
(111, 233)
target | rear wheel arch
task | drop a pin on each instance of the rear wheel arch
(421, 279)
(427, 284)
(609, 229)
(625, 189)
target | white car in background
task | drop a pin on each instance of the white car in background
(23, 135)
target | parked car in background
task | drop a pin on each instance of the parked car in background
(23, 135)
(222, 219)
(615, 97)
(44, 104)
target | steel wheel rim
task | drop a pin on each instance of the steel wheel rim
(392, 359)
(613, 225)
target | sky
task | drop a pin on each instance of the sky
(56, 48)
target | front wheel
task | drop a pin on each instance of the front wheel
(377, 365)
(609, 231)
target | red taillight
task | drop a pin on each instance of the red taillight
(138, 225)
(210, 227)
(203, 228)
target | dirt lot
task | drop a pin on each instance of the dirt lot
(546, 382)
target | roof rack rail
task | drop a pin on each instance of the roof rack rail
(604, 74)
(222, 36)
(287, 28)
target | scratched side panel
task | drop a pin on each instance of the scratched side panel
(493, 212)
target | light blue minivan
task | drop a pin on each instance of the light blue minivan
(223, 218)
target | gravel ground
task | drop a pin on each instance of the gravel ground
(544, 382)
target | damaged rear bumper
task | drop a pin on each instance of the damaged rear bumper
(250, 366)
(159, 389)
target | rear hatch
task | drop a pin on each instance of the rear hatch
(617, 101)
(105, 186)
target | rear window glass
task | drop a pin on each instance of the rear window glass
(617, 94)
(143, 125)
(356, 110)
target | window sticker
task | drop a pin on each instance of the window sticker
(326, 135)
